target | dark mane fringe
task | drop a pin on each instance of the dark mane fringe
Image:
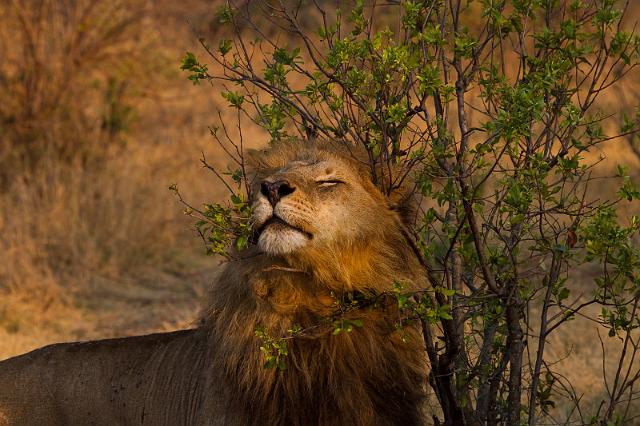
(366, 377)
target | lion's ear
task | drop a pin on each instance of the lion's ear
(404, 203)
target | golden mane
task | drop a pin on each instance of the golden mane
(373, 375)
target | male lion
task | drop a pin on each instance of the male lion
(323, 233)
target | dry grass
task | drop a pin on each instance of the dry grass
(66, 226)
(97, 121)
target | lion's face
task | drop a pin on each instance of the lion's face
(314, 203)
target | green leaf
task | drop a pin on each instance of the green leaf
(198, 71)
(225, 14)
(283, 56)
(235, 99)
(241, 242)
(224, 47)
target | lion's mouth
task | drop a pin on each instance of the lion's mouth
(275, 221)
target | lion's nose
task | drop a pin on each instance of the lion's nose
(274, 191)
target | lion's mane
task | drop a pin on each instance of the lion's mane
(373, 375)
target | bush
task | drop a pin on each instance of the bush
(491, 109)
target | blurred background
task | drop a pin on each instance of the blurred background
(96, 121)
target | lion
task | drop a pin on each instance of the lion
(323, 233)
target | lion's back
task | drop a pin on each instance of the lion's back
(154, 379)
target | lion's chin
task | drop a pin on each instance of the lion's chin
(280, 239)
